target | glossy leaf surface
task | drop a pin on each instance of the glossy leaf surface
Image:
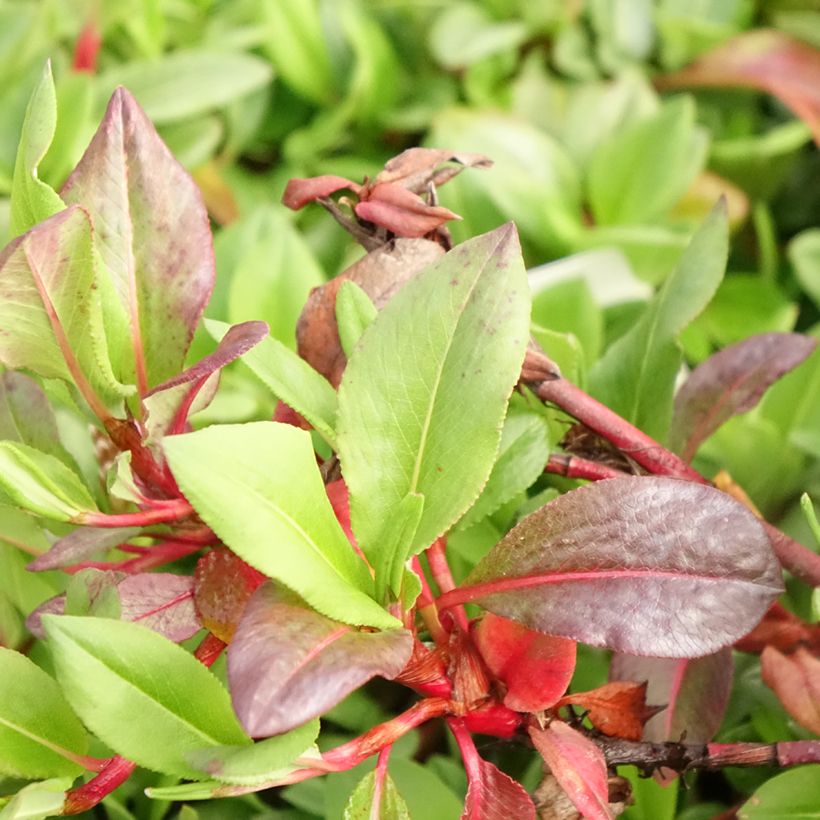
(153, 235)
(454, 336)
(38, 731)
(536, 668)
(641, 565)
(288, 664)
(636, 375)
(496, 796)
(695, 691)
(578, 765)
(732, 381)
(93, 658)
(257, 486)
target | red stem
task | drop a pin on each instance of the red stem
(176, 510)
(378, 784)
(440, 570)
(575, 467)
(469, 753)
(427, 608)
(209, 650)
(85, 797)
(150, 558)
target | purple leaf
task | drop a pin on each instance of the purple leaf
(578, 765)
(170, 403)
(79, 545)
(496, 796)
(154, 238)
(696, 693)
(288, 664)
(641, 565)
(158, 600)
(731, 382)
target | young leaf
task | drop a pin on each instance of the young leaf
(39, 734)
(796, 680)
(578, 765)
(288, 664)
(33, 200)
(50, 305)
(695, 691)
(354, 314)
(258, 487)
(266, 760)
(223, 585)
(494, 795)
(153, 236)
(731, 382)
(636, 376)
(536, 668)
(616, 709)
(180, 705)
(42, 484)
(376, 800)
(453, 336)
(643, 565)
(291, 379)
(37, 800)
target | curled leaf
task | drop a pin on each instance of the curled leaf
(416, 168)
(299, 192)
(401, 212)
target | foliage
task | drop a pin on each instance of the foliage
(353, 468)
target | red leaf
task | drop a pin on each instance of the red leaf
(536, 668)
(782, 630)
(796, 681)
(731, 382)
(578, 765)
(288, 664)
(766, 60)
(299, 192)
(285, 414)
(695, 691)
(495, 796)
(616, 709)
(223, 585)
(401, 211)
(638, 564)
(416, 168)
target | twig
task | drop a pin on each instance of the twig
(576, 467)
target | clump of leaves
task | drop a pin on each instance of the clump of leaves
(312, 549)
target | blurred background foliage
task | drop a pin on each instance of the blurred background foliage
(614, 126)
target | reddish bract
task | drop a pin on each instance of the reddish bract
(616, 709)
(536, 668)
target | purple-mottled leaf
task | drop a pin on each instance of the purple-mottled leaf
(170, 403)
(695, 691)
(154, 238)
(643, 565)
(578, 765)
(161, 601)
(496, 796)
(731, 382)
(50, 312)
(288, 664)
(79, 545)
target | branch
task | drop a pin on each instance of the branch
(575, 467)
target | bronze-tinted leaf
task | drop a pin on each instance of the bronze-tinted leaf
(764, 59)
(731, 382)
(695, 692)
(638, 564)
(617, 709)
(796, 681)
(401, 212)
(288, 664)
(416, 168)
(536, 668)
(223, 585)
(783, 630)
(578, 765)
(299, 192)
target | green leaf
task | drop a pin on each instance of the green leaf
(50, 305)
(39, 734)
(792, 795)
(643, 170)
(265, 760)
(355, 312)
(804, 254)
(453, 337)
(522, 455)
(291, 379)
(41, 483)
(636, 375)
(154, 711)
(187, 83)
(37, 800)
(33, 200)
(258, 487)
(364, 804)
